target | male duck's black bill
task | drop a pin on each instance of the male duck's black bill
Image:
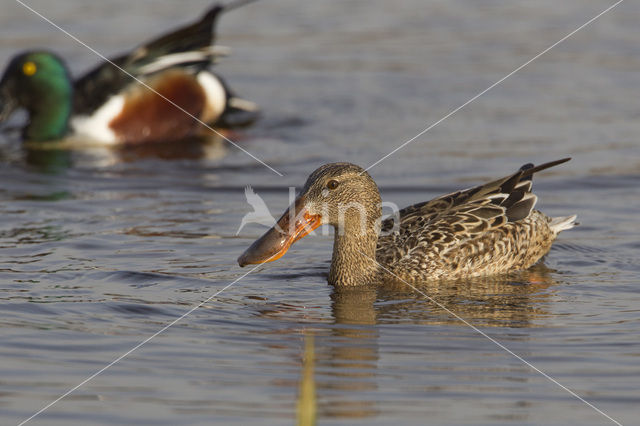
(7, 103)
(294, 224)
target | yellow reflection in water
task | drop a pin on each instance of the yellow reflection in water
(306, 412)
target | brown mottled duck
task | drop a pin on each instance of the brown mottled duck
(488, 229)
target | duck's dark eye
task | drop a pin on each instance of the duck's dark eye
(333, 184)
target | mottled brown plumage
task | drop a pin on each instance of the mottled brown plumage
(487, 229)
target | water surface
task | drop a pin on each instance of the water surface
(101, 248)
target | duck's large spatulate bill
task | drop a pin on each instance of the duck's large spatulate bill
(294, 224)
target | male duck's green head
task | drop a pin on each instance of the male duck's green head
(40, 83)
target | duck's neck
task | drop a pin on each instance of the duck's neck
(49, 115)
(354, 257)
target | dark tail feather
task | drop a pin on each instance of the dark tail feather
(520, 201)
(198, 35)
(236, 4)
(528, 169)
(508, 185)
(521, 208)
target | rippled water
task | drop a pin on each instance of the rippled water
(102, 248)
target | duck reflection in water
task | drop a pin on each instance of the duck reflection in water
(346, 360)
(56, 158)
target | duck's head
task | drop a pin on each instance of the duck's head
(342, 195)
(40, 83)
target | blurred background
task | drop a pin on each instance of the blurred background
(101, 247)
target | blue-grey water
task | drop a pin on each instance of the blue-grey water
(100, 248)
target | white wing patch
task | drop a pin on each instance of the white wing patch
(176, 59)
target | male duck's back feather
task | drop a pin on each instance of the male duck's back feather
(94, 88)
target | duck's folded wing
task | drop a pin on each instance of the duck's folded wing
(188, 45)
(447, 220)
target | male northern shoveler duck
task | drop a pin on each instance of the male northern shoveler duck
(487, 229)
(107, 106)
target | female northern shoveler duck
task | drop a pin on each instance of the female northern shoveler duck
(107, 106)
(488, 229)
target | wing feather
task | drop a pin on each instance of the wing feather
(460, 216)
(94, 88)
